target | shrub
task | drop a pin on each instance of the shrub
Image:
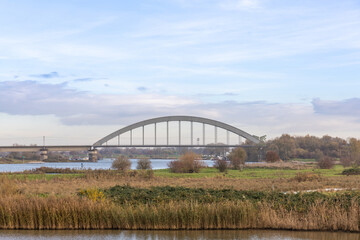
(222, 165)
(175, 166)
(132, 173)
(351, 171)
(143, 164)
(326, 163)
(186, 164)
(93, 194)
(121, 163)
(42, 170)
(146, 174)
(272, 156)
(237, 157)
(306, 176)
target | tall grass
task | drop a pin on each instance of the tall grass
(21, 212)
(146, 202)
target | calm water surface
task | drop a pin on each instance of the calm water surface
(101, 164)
(188, 235)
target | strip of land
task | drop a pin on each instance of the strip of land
(255, 198)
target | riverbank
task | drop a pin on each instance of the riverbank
(106, 199)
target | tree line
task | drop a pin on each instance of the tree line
(312, 147)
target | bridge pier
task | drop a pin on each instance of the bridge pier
(92, 153)
(43, 154)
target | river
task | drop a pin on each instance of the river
(174, 235)
(101, 164)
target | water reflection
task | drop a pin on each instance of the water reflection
(162, 235)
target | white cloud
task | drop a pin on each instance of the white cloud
(73, 108)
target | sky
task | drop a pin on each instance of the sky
(77, 70)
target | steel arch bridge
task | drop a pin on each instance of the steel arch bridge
(204, 121)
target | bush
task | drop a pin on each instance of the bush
(272, 156)
(351, 171)
(143, 164)
(93, 194)
(122, 163)
(307, 176)
(237, 158)
(175, 166)
(146, 174)
(186, 164)
(42, 170)
(326, 163)
(222, 165)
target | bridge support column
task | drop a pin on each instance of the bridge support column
(92, 153)
(43, 154)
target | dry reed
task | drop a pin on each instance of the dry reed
(20, 212)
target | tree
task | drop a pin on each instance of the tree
(326, 163)
(237, 158)
(272, 156)
(122, 163)
(187, 163)
(221, 164)
(143, 163)
(287, 147)
(355, 150)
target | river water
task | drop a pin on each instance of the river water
(174, 235)
(101, 164)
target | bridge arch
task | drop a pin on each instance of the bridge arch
(207, 121)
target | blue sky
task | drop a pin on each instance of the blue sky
(91, 67)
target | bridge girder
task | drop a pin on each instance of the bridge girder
(207, 121)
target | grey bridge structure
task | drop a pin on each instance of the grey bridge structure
(103, 142)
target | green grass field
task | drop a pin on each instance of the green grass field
(249, 173)
(246, 173)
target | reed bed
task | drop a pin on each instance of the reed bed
(143, 201)
(22, 212)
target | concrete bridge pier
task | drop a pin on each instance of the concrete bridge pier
(43, 154)
(92, 153)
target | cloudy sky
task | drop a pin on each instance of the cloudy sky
(76, 70)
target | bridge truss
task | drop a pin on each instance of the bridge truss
(180, 119)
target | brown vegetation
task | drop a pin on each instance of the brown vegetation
(22, 212)
(122, 163)
(307, 176)
(326, 163)
(221, 164)
(104, 178)
(237, 158)
(188, 163)
(272, 156)
(143, 163)
(54, 204)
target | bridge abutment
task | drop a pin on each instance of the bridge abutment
(43, 154)
(92, 153)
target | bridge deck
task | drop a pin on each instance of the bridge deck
(87, 147)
